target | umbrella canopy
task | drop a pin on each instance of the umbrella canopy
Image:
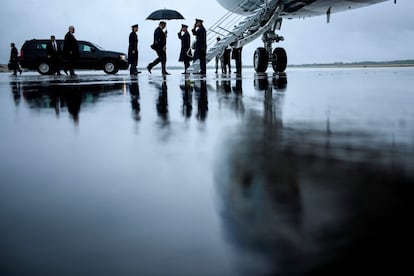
(165, 14)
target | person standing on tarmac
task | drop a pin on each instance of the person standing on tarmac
(53, 54)
(14, 60)
(160, 46)
(227, 59)
(237, 56)
(219, 58)
(133, 51)
(200, 51)
(70, 51)
(185, 53)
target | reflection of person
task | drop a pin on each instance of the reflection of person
(187, 99)
(201, 44)
(185, 53)
(219, 58)
(70, 51)
(202, 101)
(133, 50)
(16, 90)
(55, 102)
(73, 103)
(160, 46)
(238, 88)
(53, 54)
(162, 102)
(14, 60)
(134, 92)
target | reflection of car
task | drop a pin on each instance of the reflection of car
(33, 57)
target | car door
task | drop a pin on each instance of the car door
(88, 58)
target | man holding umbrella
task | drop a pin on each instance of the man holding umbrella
(160, 46)
(201, 44)
(160, 37)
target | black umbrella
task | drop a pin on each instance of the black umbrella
(165, 14)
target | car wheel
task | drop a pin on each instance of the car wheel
(110, 67)
(44, 68)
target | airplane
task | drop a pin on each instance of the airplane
(246, 20)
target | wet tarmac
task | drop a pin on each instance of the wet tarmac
(308, 173)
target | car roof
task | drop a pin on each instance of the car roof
(48, 39)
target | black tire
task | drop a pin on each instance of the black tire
(261, 82)
(280, 81)
(44, 68)
(279, 62)
(260, 60)
(110, 67)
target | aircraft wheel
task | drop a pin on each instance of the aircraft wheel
(260, 60)
(279, 62)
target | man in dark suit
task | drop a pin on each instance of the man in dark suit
(201, 44)
(236, 54)
(160, 46)
(133, 51)
(70, 50)
(53, 54)
(185, 53)
(14, 60)
(226, 60)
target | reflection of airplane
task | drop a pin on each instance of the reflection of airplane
(295, 200)
(249, 19)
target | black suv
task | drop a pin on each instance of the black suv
(33, 57)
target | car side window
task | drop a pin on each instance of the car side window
(86, 48)
(41, 46)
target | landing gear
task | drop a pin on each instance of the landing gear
(265, 55)
(260, 60)
(279, 60)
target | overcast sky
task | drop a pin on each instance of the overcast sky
(380, 32)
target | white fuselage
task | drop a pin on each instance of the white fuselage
(298, 8)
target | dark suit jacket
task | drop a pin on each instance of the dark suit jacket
(14, 58)
(133, 46)
(160, 40)
(14, 54)
(201, 42)
(133, 43)
(185, 45)
(70, 46)
(51, 52)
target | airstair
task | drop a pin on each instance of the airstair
(237, 30)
